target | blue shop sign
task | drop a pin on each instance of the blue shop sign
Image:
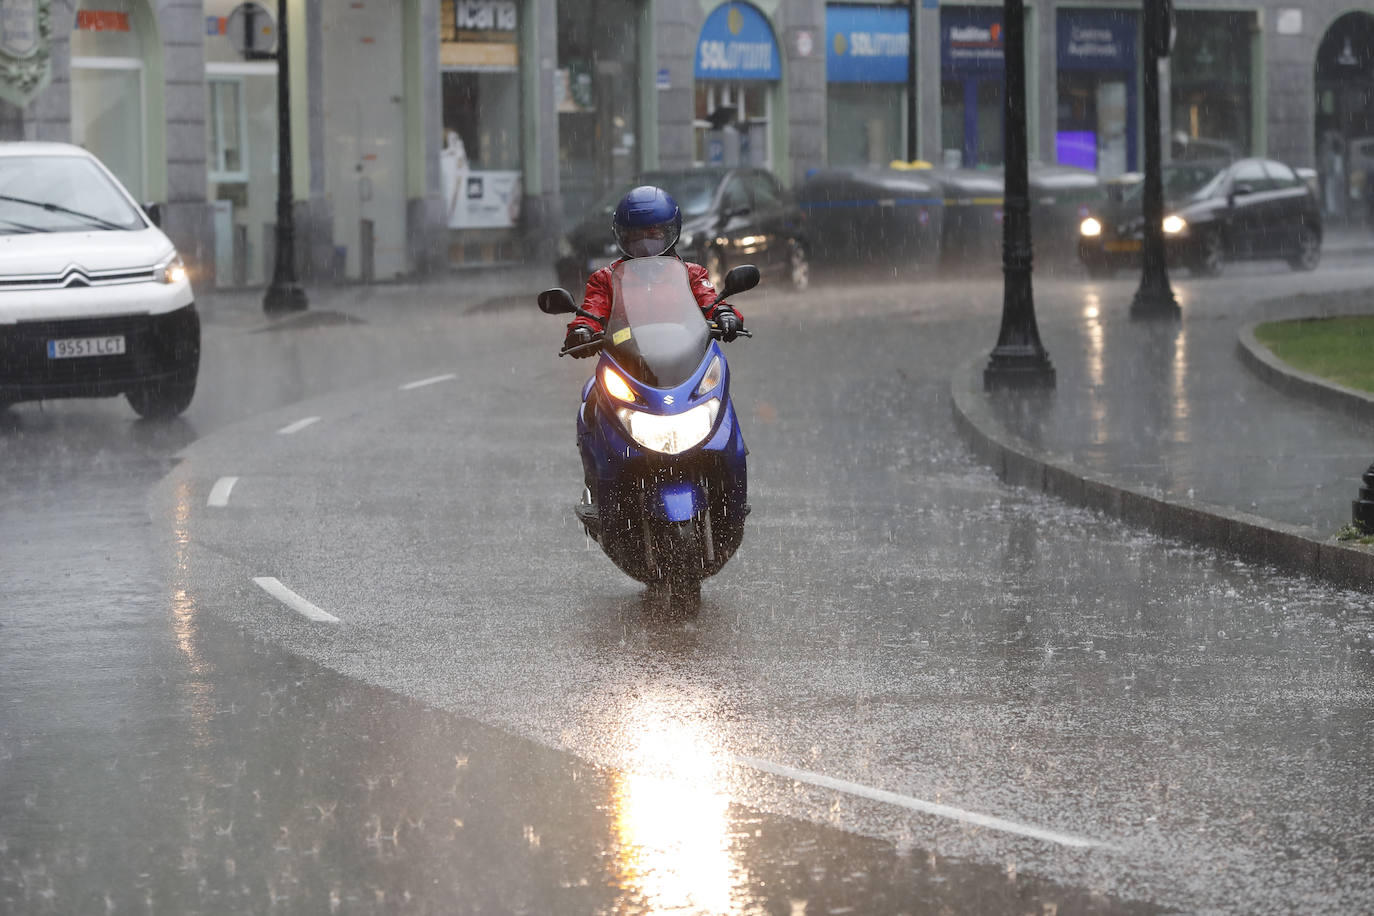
(866, 44)
(1096, 39)
(971, 40)
(736, 43)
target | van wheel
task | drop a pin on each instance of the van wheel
(161, 401)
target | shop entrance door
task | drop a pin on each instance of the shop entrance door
(1344, 124)
(1094, 125)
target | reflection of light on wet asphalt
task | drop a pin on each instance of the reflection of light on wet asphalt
(671, 815)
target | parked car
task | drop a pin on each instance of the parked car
(730, 216)
(94, 300)
(1214, 212)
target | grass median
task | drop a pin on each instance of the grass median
(1338, 349)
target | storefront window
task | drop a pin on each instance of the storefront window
(1345, 118)
(1097, 90)
(480, 164)
(1210, 101)
(241, 142)
(738, 69)
(108, 115)
(866, 75)
(971, 65)
(597, 88)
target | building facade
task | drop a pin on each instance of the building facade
(432, 135)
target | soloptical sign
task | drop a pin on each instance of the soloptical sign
(737, 43)
(866, 44)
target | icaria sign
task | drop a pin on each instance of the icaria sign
(25, 49)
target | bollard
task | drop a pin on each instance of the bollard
(1362, 509)
(367, 244)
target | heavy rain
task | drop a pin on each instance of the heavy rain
(935, 491)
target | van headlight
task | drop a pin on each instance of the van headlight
(172, 270)
(672, 434)
(1090, 228)
(1173, 225)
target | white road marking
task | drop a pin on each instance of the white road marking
(297, 426)
(428, 381)
(293, 601)
(916, 804)
(219, 493)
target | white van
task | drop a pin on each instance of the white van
(94, 300)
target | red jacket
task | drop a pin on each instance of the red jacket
(597, 298)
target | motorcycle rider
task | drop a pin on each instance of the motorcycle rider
(647, 223)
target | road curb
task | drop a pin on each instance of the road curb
(1261, 540)
(1260, 360)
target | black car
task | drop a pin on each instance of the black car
(730, 216)
(1214, 212)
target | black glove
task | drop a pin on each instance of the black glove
(728, 322)
(576, 337)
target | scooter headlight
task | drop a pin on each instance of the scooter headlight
(1090, 228)
(1174, 224)
(672, 434)
(711, 379)
(616, 386)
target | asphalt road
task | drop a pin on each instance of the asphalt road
(913, 690)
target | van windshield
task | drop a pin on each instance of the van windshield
(61, 194)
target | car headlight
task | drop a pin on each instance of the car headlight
(172, 270)
(565, 249)
(672, 434)
(1173, 225)
(616, 386)
(1090, 228)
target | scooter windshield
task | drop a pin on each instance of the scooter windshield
(656, 330)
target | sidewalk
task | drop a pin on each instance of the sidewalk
(1165, 425)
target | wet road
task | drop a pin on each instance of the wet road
(498, 723)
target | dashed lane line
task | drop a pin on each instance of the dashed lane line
(219, 493)
(411, 386)
(919, 805)
(295, 602)
(297, 426)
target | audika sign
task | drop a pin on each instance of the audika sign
(25, 49)
(971, 39)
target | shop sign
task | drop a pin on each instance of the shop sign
(25, 49)
(480, 18)
(866, 44)
(480, 35)
(737, 43)
(480, 199)
(971, 39)
(1096, 40)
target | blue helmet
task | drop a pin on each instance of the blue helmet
(647, 222)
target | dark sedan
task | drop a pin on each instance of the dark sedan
(1214, 212)
(730, 216)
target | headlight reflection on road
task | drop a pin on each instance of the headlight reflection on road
(672, 815)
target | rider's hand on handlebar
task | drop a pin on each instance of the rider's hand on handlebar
(576, 338)
(728, 322)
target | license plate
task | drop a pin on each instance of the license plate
(72, 347)
(1127, 245)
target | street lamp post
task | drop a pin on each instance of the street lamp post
(1362, 510)
(1019, 360)
(1155, 297)
(911, 81)
(285, 293)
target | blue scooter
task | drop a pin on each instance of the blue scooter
(662, 454)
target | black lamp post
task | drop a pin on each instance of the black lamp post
(1155, 297)
(1019, 360)
(1362, 510)
(285, 293)
(911, 81)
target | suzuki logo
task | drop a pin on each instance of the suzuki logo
(668, 399)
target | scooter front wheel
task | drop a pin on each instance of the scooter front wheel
(678, 547)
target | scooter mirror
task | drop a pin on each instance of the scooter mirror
(556, 301)
(741, 278)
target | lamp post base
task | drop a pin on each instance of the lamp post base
(1019, 371)
(1362, 509)
(1154, 304)
(287, 297)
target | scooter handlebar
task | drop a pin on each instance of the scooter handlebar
(591, 346)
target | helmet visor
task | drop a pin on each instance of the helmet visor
(647, 241)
